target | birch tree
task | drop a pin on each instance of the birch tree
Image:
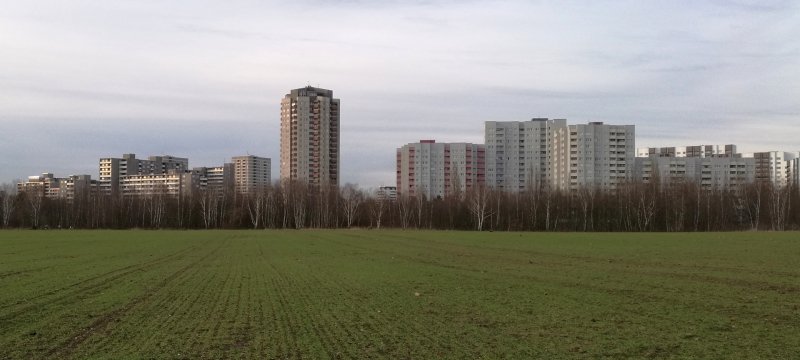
(478, 200)
(8, 199)
(352, 198)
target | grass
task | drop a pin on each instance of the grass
(397, 294)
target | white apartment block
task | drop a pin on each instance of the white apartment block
(773, 167)
(436, 170)
(794, 170)
(600, 156)
(716, 166)
(542, 152)
(310, 137)
(387, 193)
(518, 152)
(251, 173)
(171, 183)
(689, 151)
(718, 172)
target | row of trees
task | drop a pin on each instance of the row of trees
(634, 207)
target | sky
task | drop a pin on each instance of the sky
(81, 80)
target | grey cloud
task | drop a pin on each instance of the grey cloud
(204, 81)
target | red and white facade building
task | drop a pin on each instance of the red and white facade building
(437, 170)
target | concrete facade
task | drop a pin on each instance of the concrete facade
(773, 166)
(172, 183)
(218, 178)
(310, 137)
(523, 155)
(689, 151)
(600, 156)
(794, 170)
(436, 170)
(50, 186)
(722, 167)
(717, 172)
(113, 170)
(387, 193)
(518, 153)
(251, 173)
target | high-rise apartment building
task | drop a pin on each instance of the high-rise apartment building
(518, 153)
(794, 171)
(439, 169)
(251, 173)
(773, 167)
(542, 152)
(593, 155)
(310, 137)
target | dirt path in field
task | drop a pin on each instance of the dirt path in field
(66, 348)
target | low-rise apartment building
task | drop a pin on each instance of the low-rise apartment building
(113, 170)
(171, 183)
(716, 166)
(49, 186)
(387, 193)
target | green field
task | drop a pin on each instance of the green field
(398, 294)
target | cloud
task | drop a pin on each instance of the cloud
(203, 79)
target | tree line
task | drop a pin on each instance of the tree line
(633, 207)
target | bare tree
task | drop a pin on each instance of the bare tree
(35, 200)
(750, 199)
(586, 196)
(419, 207)
(270, 208)
(779, 206)
(255, 206)
(351, 201)
(377, 209)
(8, 199)
(155, 205)
(478, 200)
(208, 206)
(298, 197)
(404, 202)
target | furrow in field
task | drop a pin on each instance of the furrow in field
(23, 272)
(170, 314)
(404, 327)
(305, 313)
(89, 285)
(283, 340)
(100, 325)
(484, 248)
(326, 325)
(290, 317)
(612, 266)
(218, 314)
(679, 294)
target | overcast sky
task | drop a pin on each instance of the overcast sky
(80, 80)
